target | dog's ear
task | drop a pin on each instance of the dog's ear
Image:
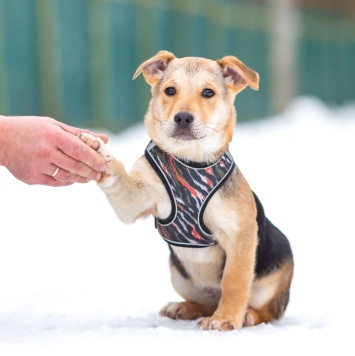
(153, 67)
(237, 75)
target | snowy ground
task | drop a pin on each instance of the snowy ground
(75, 281)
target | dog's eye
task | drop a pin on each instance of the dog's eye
(170, 91)
(208, 93)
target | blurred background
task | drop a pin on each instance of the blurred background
(74, 59)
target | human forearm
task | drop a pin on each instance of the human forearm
(4, 125)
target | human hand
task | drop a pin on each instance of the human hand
(32, 148)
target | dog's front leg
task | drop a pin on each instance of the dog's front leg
(238, 275)
(128, 195)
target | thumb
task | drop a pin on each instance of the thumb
(76, 131)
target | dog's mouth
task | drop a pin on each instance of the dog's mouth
(186, 134)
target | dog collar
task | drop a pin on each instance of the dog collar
(190, 187)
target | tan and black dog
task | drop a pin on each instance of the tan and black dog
(231, 265)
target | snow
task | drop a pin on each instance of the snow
(75, 281)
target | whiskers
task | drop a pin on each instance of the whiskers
(198, 129)
(165, 126)
(208, 127)
(212, 129)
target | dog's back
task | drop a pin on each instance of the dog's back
(273, 247)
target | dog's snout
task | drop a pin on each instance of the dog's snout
(183, 119)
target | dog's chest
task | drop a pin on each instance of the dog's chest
(204, 265)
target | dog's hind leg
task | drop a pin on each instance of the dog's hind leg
(199, 302)
(269, 312)
(270, 296)
(185, 310)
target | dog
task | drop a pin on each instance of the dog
(229, 263)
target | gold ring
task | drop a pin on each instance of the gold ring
(55, 172)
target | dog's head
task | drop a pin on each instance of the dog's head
(191, 114)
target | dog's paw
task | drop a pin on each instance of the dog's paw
(96, 144)
(250, 318)
(216, 323)
(183, 310)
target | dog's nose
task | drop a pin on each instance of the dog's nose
(183, 119)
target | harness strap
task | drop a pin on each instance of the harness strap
(189, 188)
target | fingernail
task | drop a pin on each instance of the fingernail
(98, 176)
(103, 167)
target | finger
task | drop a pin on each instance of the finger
(56, 170)
(73, 166)
(76, 131)
(52, 182)
(76, 149)
(103, 137)
(56, 183)
(63, 176)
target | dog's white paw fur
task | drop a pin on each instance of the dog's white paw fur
(97, 144)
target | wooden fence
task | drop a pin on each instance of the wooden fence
(74, 59)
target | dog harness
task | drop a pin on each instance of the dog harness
(190, 187)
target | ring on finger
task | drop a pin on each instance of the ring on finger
(55, 172)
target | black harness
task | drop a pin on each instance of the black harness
(190, 187)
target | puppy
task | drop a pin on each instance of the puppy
(230, 264)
